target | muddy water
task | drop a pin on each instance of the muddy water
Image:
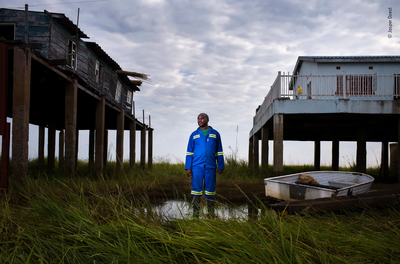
(178, 209)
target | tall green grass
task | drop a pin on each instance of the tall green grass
(57, 222)
(108, 218)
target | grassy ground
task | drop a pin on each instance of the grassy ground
(107, 218)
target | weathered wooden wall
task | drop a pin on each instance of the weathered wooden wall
(54, 38)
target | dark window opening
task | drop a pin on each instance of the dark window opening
(7, 31)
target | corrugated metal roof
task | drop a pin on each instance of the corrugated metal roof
(350, 57)
(383, 58)
(93, 46)
(103, 55)
(66, 23)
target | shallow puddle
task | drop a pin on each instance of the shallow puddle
(178, 209)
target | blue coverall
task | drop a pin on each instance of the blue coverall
(204, 156)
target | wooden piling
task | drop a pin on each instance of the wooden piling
(51, 145)
(143, 147)
(150, 150)
(41, 147)
(317, 155)
(361, 150)
(251, 152)
(100, 124)
(61, 148)
(335, 154)
(264, 150)
(4, 126)
(278, 144)
(5, 157)
(71, 96)
(132, 143)
(91, 148)
(256, 152)
(21, 106)
(120, 139)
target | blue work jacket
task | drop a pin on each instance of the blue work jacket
(205, 151)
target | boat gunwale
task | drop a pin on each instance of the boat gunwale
(276, 180)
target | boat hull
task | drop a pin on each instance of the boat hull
(331, 184)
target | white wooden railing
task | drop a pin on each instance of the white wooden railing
(332, 86)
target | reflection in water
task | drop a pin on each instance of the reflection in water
(178, 209)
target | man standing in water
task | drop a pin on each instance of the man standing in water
(204, 159)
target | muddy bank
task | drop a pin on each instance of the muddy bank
(234, 191)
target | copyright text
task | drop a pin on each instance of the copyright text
(390, 16)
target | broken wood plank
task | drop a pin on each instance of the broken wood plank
(135, 82)
(134, 74)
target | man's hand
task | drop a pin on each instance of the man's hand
(189, 173)
(220, 172)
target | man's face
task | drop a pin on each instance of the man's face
(202, 120)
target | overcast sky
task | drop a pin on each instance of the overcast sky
(221, 57)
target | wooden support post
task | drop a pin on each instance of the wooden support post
(120, 139)
(100, 124)
(71, 106)
(393, 162)
(335, 155)
(361, 150)
(143, 147)
(132, 143)
(105, 149)
(4, 126)
(150, 150)
(5, 156)
(3, 87)
(278, 144)
(41, 147)
(317, 155)
(256, 152)
(384, 173)
(398, 149)
(76, 148)
(91, 148)
(61, 148)
(251, 152)
(51, 145)
(264, 150)
(21, 105)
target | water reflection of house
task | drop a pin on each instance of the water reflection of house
(59, 81)
(341, 98)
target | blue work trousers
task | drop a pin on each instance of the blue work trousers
(203, 177)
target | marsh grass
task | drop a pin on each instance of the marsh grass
(109, 218)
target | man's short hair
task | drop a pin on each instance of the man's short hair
(205, 115)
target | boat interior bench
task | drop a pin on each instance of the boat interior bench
(319, 185)
(333, 185)
(341, 184)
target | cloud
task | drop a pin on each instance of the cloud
(221, 57)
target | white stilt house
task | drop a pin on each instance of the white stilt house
(340, 98)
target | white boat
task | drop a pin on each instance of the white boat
(330, 184)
